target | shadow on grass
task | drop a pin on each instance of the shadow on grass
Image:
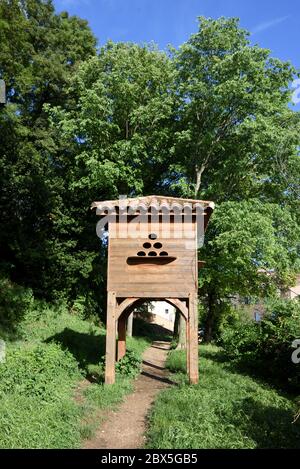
(262, 372)
(87, 349)
(156, 377)
(268, 426)
(217, 355)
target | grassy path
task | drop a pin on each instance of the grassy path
(227, 409)
(125, 426)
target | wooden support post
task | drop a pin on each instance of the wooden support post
(110, 356)
(187, 331)
(121, 336)
(193, 338)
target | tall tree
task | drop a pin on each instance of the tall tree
(235, 130)
(237, 139)
(39, 53)
(122, 125)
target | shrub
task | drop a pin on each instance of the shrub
(37, 371)
(129, 365)
(267, 345)
(15, 302)
(85, 306)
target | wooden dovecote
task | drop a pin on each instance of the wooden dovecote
(152, 255)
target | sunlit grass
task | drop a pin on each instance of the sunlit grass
(226, 409)
(52, 354)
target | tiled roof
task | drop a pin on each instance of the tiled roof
(156, 202)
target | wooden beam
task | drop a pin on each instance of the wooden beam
(193, 338)
(110, 356)
(187, 331)
(125, 304)
(179, 305)
(121, 336)
(129, 324)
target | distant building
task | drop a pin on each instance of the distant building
(256, 308)
(292, 292)
(163, 314)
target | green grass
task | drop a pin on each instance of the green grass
(50, 354)
(226, 409)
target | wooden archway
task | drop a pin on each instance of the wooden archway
(123, 307)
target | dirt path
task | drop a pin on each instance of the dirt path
(125, 427)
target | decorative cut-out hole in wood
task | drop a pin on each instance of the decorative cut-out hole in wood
(147, 245)
(152, 253)
(163, 253)
(152, 236)
(150, 261)
(157, 245)
(141, 253)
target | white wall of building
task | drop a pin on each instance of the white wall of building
(164, 314)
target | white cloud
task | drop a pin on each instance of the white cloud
(269, 24)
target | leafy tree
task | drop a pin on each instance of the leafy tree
(266, 347)
(210, 120)
(121, 129)
(235, 131)
(40, 51)
(237, 139)
(252, 249)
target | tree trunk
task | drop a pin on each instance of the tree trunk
(199, 172)
(176, 325)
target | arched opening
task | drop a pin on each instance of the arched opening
(160, 316)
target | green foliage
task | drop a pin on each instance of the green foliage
(39, 371)
(266, 347)
(55, 350)
(40, 52)
(253, 249)
(36, 403)
(227, 409)
(15, 302)
(176, 361)
(121, 122)
(233, 116)
(129, 365)
(211, 119)
(28, 422)
(107, 396)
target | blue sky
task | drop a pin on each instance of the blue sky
(274, 24)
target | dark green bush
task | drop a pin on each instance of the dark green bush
(267, 346)
(15, 302)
